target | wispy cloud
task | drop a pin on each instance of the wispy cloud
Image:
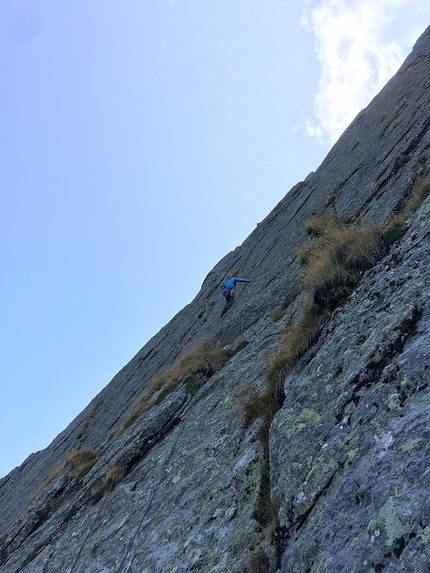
(358, 55)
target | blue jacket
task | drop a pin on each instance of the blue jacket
(231, 283)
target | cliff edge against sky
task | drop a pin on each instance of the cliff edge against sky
(168, 470)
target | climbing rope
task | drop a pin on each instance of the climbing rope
(108, 491)
(119, 465)
(163, 472)
(157, 487)
(90, 530)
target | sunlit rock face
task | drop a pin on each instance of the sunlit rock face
(341, 483)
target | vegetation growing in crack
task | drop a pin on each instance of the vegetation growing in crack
(107, 483)
(77, 462)
(399, 161)
(409, 204)
(83, 431)
(193, 365)
(277, 314)
(259, 563)
(333, 263)
(39, 548)
(393, 229)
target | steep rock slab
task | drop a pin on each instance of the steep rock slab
(358, 178)
(201, 513)
(350, 448)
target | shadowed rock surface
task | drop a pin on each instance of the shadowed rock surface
(349, 448)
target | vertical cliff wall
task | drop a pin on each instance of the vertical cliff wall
(340, 483)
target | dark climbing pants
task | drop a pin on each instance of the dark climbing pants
(229, 299)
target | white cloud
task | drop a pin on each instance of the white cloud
(314, 130)
(359, 52)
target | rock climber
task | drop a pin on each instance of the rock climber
(229, 291)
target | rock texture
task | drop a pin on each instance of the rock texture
(349, 449)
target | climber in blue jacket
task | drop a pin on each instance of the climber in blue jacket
(229, 291)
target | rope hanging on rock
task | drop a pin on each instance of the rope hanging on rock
(108, 491)
(163, 473)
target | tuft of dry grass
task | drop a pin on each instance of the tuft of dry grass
(336, 260)
(107, 483)
(297, 341)
(420, 191)
(277, 314)
(316, 228)
(115, 474)
(319, 224)
(262, 406)
(79, 463)
(206, 356)
(201, 360)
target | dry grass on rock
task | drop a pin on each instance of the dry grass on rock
(200, 360)
(78, 463)
(332, 266)
(419, 192)
(333, 263)
(337, 259)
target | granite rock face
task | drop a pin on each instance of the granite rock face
(348, 450)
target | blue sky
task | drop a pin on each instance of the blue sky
(142, 140)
